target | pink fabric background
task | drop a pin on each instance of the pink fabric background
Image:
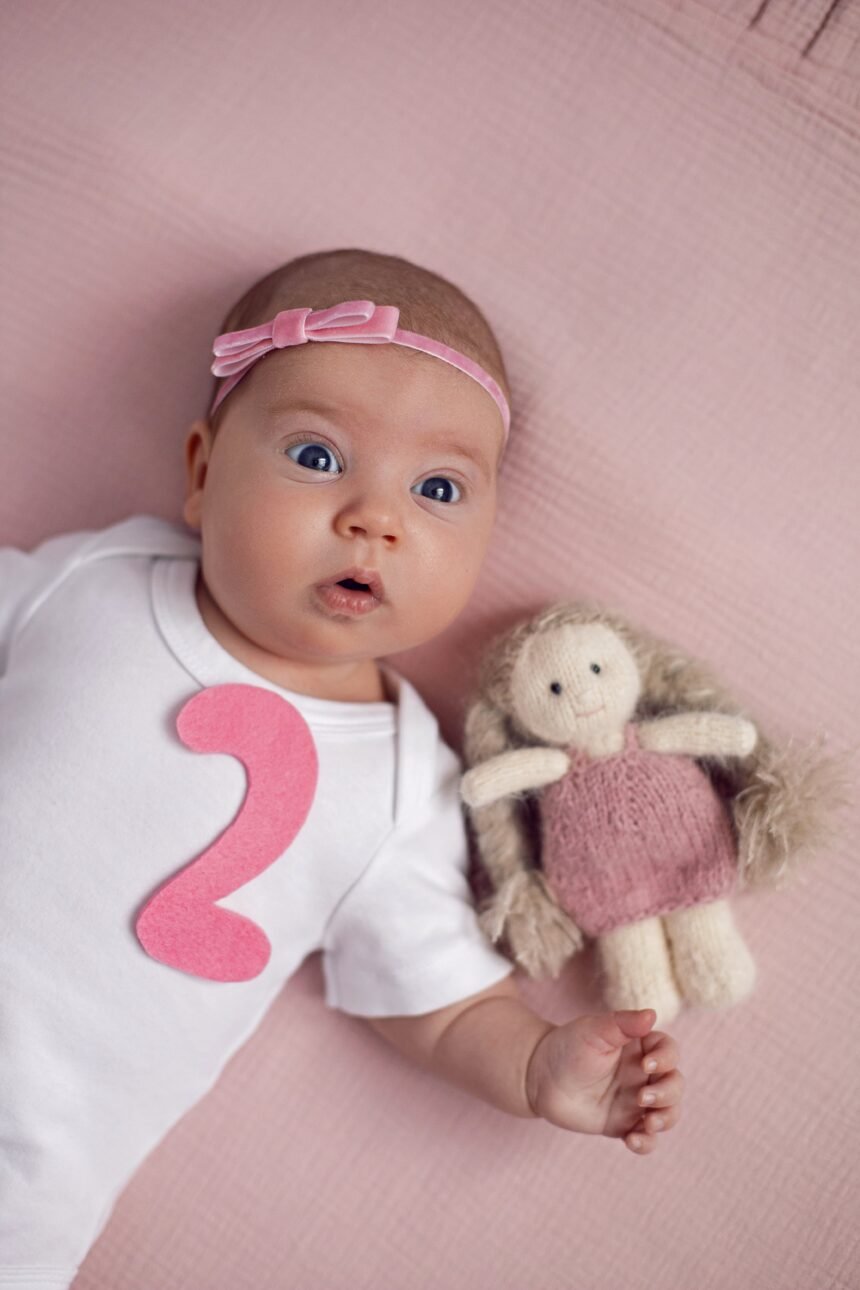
(656, 203)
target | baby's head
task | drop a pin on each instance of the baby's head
(327, 457)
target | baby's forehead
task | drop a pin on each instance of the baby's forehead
(390, 385)
(360, 372)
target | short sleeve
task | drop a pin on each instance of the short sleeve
(28, 578)
(24, 575)
(406, 939)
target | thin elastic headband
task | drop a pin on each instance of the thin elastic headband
(355, 322)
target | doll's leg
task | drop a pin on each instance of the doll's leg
(637, 969)
(713, 966)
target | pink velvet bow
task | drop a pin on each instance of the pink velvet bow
(357, 321)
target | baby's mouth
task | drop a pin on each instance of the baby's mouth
(358, 580)
(356, 592)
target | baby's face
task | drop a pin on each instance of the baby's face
(333, 456)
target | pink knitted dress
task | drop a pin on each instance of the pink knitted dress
(633, 835)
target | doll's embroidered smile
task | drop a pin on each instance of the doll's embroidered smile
(556, 687)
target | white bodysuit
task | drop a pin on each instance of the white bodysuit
(102, 1047)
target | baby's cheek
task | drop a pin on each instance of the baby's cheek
(452, 582)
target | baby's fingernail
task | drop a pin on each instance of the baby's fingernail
(635, 1142)
(658, 1122)
(651, 1065)
(646, 1099)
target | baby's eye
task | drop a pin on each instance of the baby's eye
(439, 489)
(315, 456)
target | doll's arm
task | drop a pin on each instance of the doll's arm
(518, 771)
(699, 734)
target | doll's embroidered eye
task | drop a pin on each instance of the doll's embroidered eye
(438, 488)
(595, 667)
(556, 687)
(314, 456)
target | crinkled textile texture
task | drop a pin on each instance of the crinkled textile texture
(656, 204)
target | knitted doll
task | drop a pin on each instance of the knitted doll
(658, 800)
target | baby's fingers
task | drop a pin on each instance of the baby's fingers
(665, 1118)
(660, 1097)
(640, 1143)
(659, 1053)
(642, 1138)
(663, 1092)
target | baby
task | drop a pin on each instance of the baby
(340, 498)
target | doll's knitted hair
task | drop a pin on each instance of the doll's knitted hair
(783, 799)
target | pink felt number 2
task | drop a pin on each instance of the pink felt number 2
(180, 924)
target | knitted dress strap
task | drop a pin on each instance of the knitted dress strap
(631, 736)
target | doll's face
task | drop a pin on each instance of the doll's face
(573, 683)
(332, 456)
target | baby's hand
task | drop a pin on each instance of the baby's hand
(595, 1074)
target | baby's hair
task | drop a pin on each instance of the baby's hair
(428, 303)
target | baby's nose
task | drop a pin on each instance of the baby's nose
(371, 516)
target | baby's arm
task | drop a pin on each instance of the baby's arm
(592, 1075)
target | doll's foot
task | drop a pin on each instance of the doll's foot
(637, 970)
(712, 964)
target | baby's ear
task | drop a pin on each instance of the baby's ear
(198, 446)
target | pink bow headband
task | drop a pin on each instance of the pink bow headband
(356, 322)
